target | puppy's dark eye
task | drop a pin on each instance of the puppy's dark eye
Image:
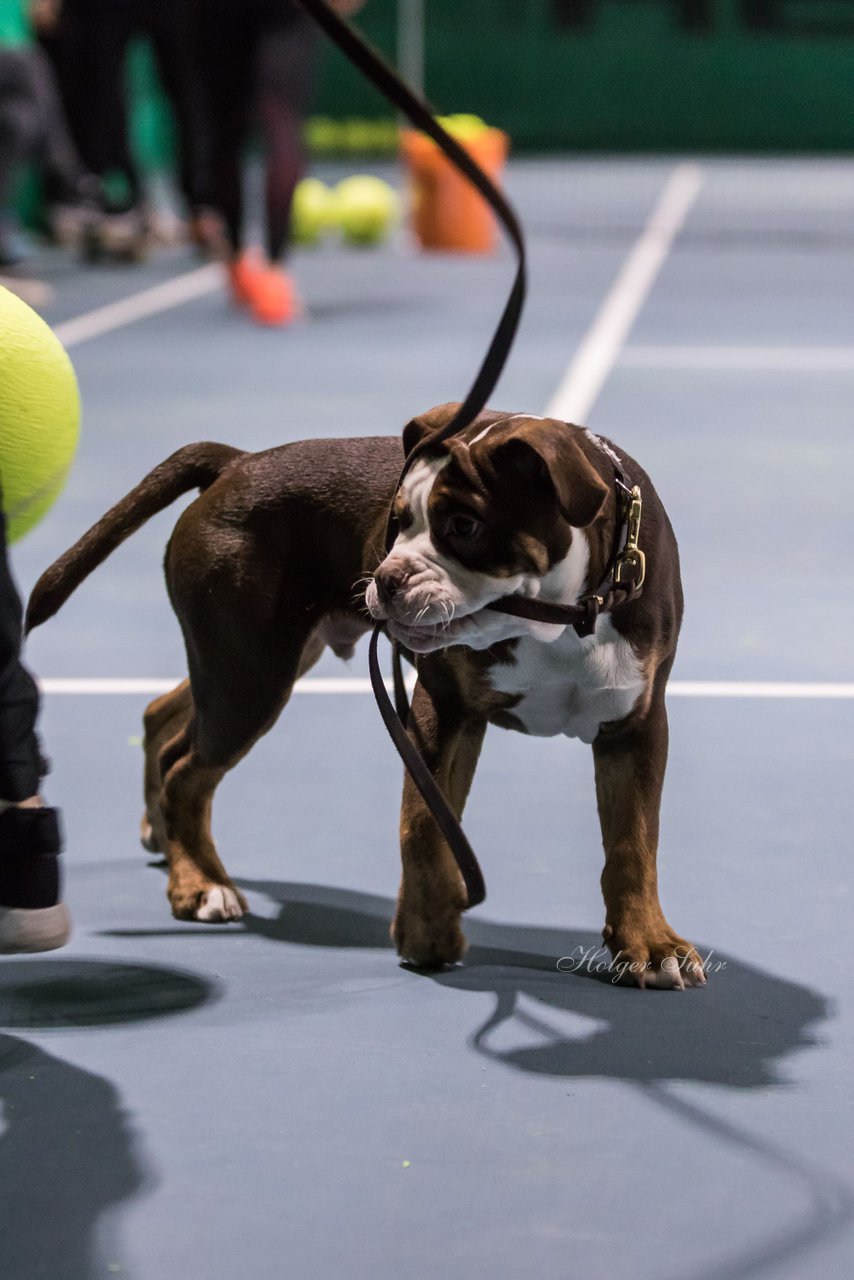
(463, 527)
(404, 518)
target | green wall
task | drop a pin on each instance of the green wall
(629, 74)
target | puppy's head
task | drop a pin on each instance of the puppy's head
(497, 510)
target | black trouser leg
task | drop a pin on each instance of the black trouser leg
(173, 31)
(19, 124)
(259, 59)
(285, 165)
(103, 33)
(64, 169)
(227, 43)
(286, 59)
(20, 757)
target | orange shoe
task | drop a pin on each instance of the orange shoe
(272, 296)
(241, 273)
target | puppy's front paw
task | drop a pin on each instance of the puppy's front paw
(429, 941)
(210, 903)
(220, 904)
(659, 959)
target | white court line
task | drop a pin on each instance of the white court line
(780, 359)
(758, 689)
(149, 302)
(601, 345)
(155, 685)
(345, 685)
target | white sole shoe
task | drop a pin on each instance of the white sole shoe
(40, 929)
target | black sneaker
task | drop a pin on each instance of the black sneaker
(32, 914)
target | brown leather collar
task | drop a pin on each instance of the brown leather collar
(623, 579)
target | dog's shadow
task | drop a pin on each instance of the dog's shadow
(574, 1020)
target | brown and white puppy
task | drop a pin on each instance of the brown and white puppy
(264, 570)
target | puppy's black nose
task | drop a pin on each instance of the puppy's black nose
(389, 584)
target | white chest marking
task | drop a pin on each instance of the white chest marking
(573, 685)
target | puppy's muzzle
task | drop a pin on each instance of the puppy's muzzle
(388, 583)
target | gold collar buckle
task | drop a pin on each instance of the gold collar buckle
(630, 564)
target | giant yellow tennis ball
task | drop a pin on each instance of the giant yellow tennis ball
(39, 415)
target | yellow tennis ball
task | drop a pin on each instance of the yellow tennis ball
(464, 126)
(313, 211)
(368, 209)
(39, 415)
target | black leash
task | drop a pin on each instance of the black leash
(383, 76)
(386, 79)
(443, 815)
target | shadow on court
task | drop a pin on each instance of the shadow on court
(95, 993)
(733, 1032)
(67, 1153)
(67, 1156)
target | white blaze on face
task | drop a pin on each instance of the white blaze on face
(441, 603)
(417, 488)
(435, 588)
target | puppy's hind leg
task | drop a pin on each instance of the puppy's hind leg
(230, 711)
(165, 725)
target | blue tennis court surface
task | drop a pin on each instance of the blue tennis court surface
(280, 1097)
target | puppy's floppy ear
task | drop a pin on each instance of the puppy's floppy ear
(417, 429)
(544, 452)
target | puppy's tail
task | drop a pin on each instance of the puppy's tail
(194, 466)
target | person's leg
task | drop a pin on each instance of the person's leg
(18, 138)
(58, 153)
(102, 32)
(287, 56)
(60, 41)
(18, 122)
(20, 758)
(227, 35)
(32, 915)
(276, 86)
(171, 25)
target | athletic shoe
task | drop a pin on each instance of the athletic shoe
(241, 272)
(266, 291)
(32, 915)
(273, 299)
(120, 236)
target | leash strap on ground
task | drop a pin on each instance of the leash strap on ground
(386, 79)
